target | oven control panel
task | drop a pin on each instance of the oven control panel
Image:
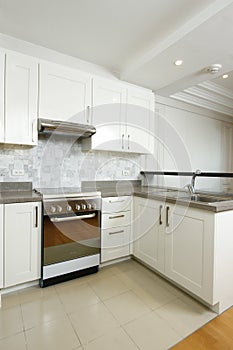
(65, 206)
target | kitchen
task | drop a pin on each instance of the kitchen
(185, 124)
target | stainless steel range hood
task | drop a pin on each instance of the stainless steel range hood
(65, 128)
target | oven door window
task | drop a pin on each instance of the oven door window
(67, 238)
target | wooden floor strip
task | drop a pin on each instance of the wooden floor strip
(215, 335)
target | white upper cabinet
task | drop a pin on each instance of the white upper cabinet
(64, 94)
(123, 116)
(21, 91)
(140, 120)
(108, 114)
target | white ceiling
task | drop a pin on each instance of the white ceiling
(139, 39)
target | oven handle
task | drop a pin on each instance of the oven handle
(71, 218)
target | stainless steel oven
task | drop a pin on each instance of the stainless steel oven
(71, 236)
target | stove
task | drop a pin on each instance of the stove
(71, 234)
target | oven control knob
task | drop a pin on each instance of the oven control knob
(52, 209)
(88, 206)
(59, 208)
(68, 208)
(84, 206)
(93, 205)
(77, 207)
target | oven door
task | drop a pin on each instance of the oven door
(69, 237)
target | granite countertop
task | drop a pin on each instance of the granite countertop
(170, 195)
(18, 192)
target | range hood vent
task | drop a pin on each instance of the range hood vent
(65, 128)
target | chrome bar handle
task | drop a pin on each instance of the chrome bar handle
(88, 114)
(36, 217)
(71, 218)
(160, 215)
(116, 216)
(167, 216)
(121, 201)
(116, 232)
(128, 140)
(122, 141)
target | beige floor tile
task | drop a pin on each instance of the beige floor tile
(55, 335)
(11, 321)
(151, 332)
(92, 322)
(107, 287)
(185, 318)
(34, 293)
(10, 300)
(15, 342)
(77, 281)
(154, 295)
(76, 297)
(42, 310)
(116, 339)
(126, 307)
(134, 278)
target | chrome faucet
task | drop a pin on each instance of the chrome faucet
(191, 187)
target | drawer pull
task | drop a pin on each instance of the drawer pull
(116, 217)
(160, 215)
(114, 233)
(167, 216)
(121, 201)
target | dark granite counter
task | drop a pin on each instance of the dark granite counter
(17, 192)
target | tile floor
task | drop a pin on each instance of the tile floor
(123, 307)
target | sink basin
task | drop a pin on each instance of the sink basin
(205, 199)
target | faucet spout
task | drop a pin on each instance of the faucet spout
(197, 172)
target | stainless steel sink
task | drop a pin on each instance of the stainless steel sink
(205, 199)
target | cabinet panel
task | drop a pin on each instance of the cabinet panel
(22, 243)
(140, 121)
(108, 114)
(116, 219)
(2, 74)
(65, 94)
(1, 247)
(115, 243)
(21, 92)
(189, 251)
(148, 239)
(116, 204)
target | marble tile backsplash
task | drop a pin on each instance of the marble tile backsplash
(59, 161)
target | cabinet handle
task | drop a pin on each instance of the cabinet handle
(116, 232)
(36, 216)
(160, 214)
(33, 140)
(167, 216)
(116, 217)
(128, 141)
(88, 113)
(117, 201)
(122, 141)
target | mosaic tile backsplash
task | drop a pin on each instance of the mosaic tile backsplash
(59, 161)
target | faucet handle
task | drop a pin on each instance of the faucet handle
(197, 172)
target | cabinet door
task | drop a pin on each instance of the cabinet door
(108, 114)
(2, 74)
(1, 248)
(22, 243)
(21, 92)
(65, 94)
(148, 232)
(140, 121)
(189, 250)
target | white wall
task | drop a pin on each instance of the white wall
(191, 138)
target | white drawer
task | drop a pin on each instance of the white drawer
(115, 204)
(122, 218)
(115, 243)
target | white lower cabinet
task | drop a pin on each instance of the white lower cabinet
(22, 237)
(1, 247)
(178, 242)
(115, 227)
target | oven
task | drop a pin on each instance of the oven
(71, 238)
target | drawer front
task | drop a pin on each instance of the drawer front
(122, 218)
(116, 204)
(115, 243)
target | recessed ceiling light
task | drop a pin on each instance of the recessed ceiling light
(225, 76)
(178, 62)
